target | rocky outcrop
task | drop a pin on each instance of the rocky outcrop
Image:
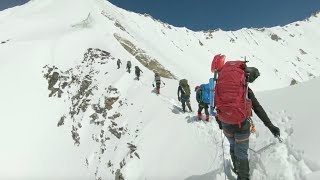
(90, 102)
(149, 62)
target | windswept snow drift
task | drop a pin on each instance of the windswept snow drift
(109, 121)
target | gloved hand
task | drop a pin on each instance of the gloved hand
(179, 99)
(274, 130)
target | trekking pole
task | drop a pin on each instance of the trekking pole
(280, 139)
(224, 162)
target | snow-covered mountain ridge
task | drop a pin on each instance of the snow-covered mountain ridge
(284, 53)
(108, 122)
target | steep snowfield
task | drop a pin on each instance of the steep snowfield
(121, 123)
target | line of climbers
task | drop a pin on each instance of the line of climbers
(128, 67)
(157, 78)
(231, 102)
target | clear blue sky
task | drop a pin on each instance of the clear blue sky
(212, 14)
(224, 14)
(4, 4)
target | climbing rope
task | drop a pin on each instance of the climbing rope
(224, 160)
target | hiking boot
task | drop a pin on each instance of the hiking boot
(243, 169)
(207, 117)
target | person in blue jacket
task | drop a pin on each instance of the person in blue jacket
(201, 105)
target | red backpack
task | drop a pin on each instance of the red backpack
(231, 94)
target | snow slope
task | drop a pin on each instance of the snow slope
(107, 120)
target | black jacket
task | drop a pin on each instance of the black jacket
(258, 109)
(137, 71)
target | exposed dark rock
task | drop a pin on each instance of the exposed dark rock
(117, 24)
(75, 136)
(260, 29)
(84, 105)
(315, 14)
(112, 90)
(94, 117)
(79, 84)
(2, 42)
(149, 62)
(109, 164)
(53, 79)
(293, 82)
(298, 59)
(61, 121)
(109, 102)
(115, 132)
(135, 153)
(132, 147)
(311, 75)
(100, 110)
(302, 52)
(113, 117)
(65, 84)
(275, 37)
(102, 133)
(122, 163)
(54, 91)
(87, 162)
(201, 44)
(113, 124)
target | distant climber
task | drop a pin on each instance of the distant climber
(128, 66)
(157, 80)
(137, 72)
(118, 175)
(184, 94)
(118, 63)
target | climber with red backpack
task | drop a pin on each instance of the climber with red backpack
(233, 101)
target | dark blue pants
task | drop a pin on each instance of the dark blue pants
(238, 138)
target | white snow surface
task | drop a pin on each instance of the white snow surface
(169, 144)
